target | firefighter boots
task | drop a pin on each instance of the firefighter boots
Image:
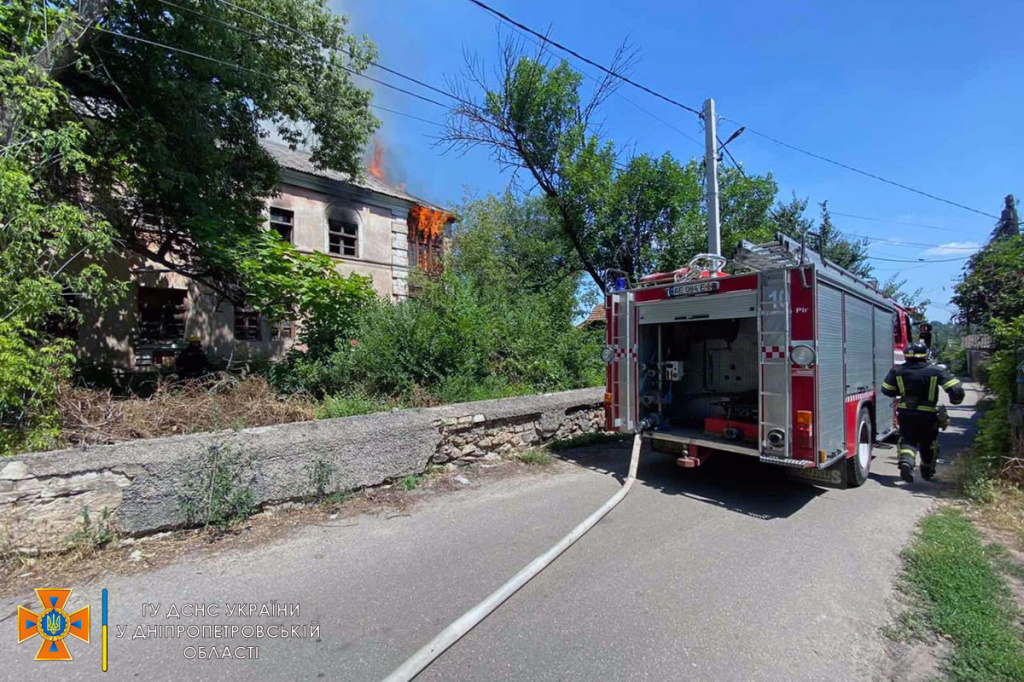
(907, 460)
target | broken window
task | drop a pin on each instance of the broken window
(247, 324)
(343, 238)
(161, 314)
(426, 238)
(282, 221)
(285, 329)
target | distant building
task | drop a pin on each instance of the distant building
(596, 320)
(367, 226)
(979, 348)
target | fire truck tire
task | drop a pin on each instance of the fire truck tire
(860, 464)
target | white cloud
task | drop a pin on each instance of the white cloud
(952, 249)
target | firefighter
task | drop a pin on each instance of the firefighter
(192, 362)
(917, 383)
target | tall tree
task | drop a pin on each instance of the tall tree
(992, 284)
(175, 97)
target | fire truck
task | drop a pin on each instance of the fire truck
(782, 361)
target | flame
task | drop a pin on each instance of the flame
(428, 222)
(377, 165)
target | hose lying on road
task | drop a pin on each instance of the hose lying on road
(415, 664)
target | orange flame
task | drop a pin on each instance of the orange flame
(377, 165)
(428, 222)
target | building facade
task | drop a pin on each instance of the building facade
(368, 227)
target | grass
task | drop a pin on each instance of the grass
(535, 456)
(410, 482)
(964, 599)
(587, 439)
(349, 405)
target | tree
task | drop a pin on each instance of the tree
(175, 98)
(992, 284)
(52, 242)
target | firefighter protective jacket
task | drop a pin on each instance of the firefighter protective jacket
(917, 385)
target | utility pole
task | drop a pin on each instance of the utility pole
(711, 177)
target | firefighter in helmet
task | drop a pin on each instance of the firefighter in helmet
(917, 383)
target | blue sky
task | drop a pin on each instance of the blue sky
(924, 93)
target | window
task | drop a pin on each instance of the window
(285, 329)
(282, 221)
(247, 325)
(910, 329)
(343, 238)
(161, 314)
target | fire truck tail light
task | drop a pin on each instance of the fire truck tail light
(607, 398)
(822, 456)
(804, 417)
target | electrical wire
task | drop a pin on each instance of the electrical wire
(574, 53)
(919, 260)
(650, 91)
(264, 73)
(897, 222)
(854, 169)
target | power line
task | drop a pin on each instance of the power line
(897, 222)
(259, 73)
(302, 33)
(858, 170)
(568, 50)
(505, 17)
(919, 260)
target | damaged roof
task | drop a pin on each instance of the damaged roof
(298, 160)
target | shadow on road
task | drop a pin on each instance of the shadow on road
(744, 485)
(736, 483)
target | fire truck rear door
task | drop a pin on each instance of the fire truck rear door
(622, 337)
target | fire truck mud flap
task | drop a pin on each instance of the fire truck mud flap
(834, 476)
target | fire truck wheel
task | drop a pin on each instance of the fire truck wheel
(860, 464)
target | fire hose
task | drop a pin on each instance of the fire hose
(416, 663)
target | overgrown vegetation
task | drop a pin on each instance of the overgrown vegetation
(93, 534)
(965, 599)
(91, 416)
(218, 486)
(990, 297)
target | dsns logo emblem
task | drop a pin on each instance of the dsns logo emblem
(53, 624)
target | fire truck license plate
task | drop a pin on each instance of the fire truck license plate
(693, 288)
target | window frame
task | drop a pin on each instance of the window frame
(282, 330)
(356, 236)
(246, 315)
(175, 321)
(276, 224)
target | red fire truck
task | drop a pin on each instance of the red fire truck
(781, 361)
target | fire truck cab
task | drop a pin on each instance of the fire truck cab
(782, 361)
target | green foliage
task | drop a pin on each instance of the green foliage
(349, 404)
(176, 136)
(51, 242)
(536, 456)
(92, 535)
(285, 284)
(31, 369)
(319, 477)
(992, 286)
(965, 599)
(218, 486)
(410, 482)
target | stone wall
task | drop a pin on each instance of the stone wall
(140, 483)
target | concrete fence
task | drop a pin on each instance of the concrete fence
(140, 483)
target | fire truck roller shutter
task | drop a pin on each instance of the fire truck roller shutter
(883, 363)
(860, 356)
(695, 308)
(831, 393)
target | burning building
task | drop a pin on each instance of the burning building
(368, 225)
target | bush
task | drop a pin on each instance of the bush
(452, 343)
(31, 372)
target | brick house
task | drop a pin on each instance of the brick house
(367, 226)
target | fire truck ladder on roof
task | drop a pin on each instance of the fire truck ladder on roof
(768, 256)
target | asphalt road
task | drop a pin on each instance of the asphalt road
(729, 572)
